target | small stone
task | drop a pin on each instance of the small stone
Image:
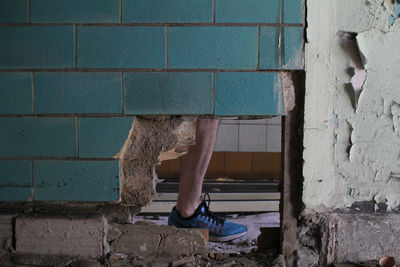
(387, 261)
(220, 256)
(211, 254)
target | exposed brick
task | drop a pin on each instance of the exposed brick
(72, 235)
(145, 239)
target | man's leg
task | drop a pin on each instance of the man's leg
(194, 166)
(190, 212)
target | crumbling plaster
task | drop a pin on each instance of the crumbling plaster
(351, 153)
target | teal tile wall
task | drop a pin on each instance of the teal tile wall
(247, 93)
(247, 11)
(74, 73)
(293, 45)
(15, 180)
(36, 47)
(270, 51)
(16, 93)
(168, 93)
(77, 92)
(167, 11)
(208, 47)
(76, 180)
(293, 11)
(13, 11)
(104, 11)
(121, 47)
(102, 137)
(37, 137)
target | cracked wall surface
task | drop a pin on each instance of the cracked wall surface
(352, 152)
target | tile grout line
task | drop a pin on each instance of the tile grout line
(213, 93)
(213, 11)
(76, 46)
(150, 70)
(166, 47)
(77, 135)
(258, 47)
(60, 159)
(70, 115)
(120, 11)
(149, 24)
(29, 11)
(33, 94)
(122, 94)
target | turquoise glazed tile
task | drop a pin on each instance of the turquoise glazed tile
(102, 137)
(212, 47)
(76, 180)
(37, 137)
(85, 11)
(15, 93)
(293, 11)
(247, 93)
(13, 11)
(77, 92)
(293, 44)
(36, 47)
(15, 180)
(247, 11)
(270, 51)
(121, 47)
(168, 93)
(167, 11)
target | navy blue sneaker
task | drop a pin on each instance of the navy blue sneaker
(220, 230)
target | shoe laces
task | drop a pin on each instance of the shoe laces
(206, 204)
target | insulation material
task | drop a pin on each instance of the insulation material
(150, 140)
(352, 149)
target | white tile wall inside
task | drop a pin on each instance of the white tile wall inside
(261, 135)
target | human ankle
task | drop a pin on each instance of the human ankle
(185, 212)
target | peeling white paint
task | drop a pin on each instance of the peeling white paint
(352, 158)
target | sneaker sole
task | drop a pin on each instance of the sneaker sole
(226, 238)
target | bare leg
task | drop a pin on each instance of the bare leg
(194, 166)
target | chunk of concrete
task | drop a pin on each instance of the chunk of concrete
(147, 240)
(363, 237)
(6, 232)
(78, 235)
(333, 238)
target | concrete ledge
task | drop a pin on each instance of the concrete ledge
(348, 237)
(147, 240)
(70, 235)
